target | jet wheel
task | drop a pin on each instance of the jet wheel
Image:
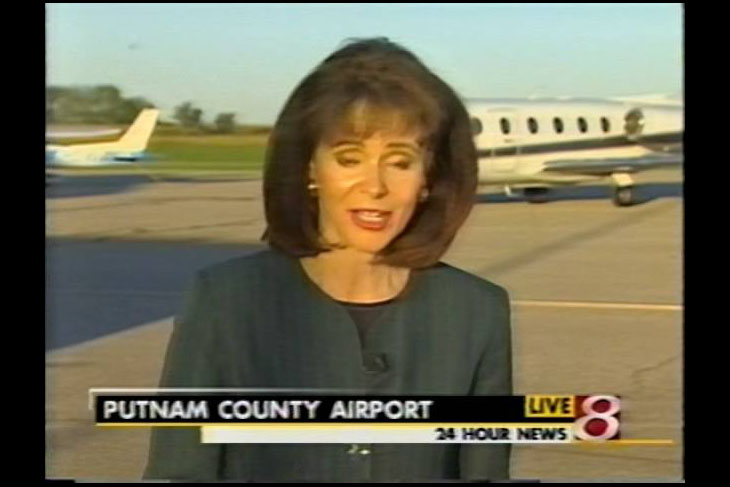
(624, 196)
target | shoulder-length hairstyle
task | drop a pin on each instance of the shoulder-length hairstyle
(385, 78)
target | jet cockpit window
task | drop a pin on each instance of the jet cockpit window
(605, 124)
(504, 125)
(582, 125)
(558, 124)
(476, 126)
(532, 125)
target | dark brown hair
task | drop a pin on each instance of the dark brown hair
(386, 78)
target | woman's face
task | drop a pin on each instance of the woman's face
(367, 187)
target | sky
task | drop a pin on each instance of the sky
(247, 58)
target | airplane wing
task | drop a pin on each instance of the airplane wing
(81, 134)
(612, 165)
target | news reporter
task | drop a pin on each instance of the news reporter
(370, 171)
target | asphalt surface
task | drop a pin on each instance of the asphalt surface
(97, 288)
(596, 307)
(62, 185)
(103, 287)
(74, 185)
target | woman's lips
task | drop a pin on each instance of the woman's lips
(374, 220)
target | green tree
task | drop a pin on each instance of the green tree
(188, 115)
(94, 104)
(196, 117)
(225, 123)
(128, 109)
(106, 101)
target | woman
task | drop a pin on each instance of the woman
(371, 170)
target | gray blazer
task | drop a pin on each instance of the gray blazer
(258, 321)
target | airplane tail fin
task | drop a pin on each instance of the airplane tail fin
(138, 134)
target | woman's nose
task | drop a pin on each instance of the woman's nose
(374, 182)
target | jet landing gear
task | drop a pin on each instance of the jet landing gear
(536, 195)
(625, 196)
(533, 195)
(624, 191)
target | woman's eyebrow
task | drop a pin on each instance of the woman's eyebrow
(346, 142)
(393, 145)
(404, 145)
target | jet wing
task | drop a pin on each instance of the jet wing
(613, 165)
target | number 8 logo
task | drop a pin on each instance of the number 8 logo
(580, 426)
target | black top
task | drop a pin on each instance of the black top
(365, 314)
(259, 322)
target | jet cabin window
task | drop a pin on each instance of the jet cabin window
(476, 126)
(582, 125)
(504, 125)
(605, 124)
(634, 123)
(558, 125)
(532, 125)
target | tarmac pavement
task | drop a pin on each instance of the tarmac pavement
(597, 308)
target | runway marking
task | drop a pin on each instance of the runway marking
(599, 305)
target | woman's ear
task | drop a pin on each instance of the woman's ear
(312, 177)
(424, 194)
(429, 160)
(312, 184)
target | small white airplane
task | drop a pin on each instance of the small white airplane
(535, 144)
(128, 148)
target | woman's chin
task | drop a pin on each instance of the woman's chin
(360, 240)
(367, 245)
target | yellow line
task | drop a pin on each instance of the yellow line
(599, 305)
(627, 442)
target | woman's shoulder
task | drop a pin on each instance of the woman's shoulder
(447, 278)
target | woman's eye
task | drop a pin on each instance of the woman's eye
(402, 164)
(347, 161)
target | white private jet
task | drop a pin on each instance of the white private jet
(534, 144)
(129, 148)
